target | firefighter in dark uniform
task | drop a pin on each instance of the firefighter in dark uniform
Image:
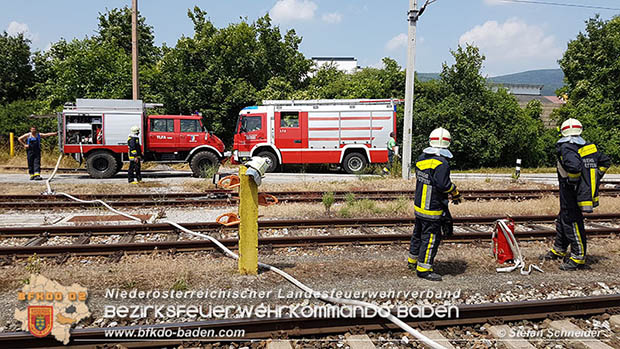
(32, 142)
(432, 192)
(134, 174)
(580, 168)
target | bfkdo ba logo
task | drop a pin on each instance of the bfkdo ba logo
(40, 320)
(48, 308)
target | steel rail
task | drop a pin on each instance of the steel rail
(265, 242)
(293, 327)
(223, 198)
(218, 193)
(114, 229)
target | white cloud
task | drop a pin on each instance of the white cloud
(16, 28)
(332, 18)
(513, 41)
(397, 42)
(293, 10)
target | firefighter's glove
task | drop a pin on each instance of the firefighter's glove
(447, 228)
(456, 197)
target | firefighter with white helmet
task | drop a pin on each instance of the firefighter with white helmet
(134, 174)
(432, 217)
(580, 168)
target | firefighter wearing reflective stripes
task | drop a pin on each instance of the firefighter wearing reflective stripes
(134, 174)
(433, 187)
(580, 168)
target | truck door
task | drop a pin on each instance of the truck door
(162, 138)
(191, 134)
(291, 135)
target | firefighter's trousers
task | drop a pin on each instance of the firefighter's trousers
(424, 243)
(34, 162)
(134, 171)
(570, 231)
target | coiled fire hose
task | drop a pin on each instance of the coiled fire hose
(381, 311)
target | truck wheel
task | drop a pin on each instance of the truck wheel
(272, 160)
(101, 165)
(204, 164)
(119, 165)
(354, 163)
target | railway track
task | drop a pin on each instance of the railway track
(292, 327)
(220, 198)
(170, 240)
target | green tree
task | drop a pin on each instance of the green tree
(115, 28)
(219, 71)
(84, 68)
(488, 127)
(16, 72)
(591, 66)
(15, 117)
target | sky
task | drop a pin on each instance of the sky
(514, 37)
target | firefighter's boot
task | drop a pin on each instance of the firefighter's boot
(429, 275)
(550, 256)
(570, 265)
(412, 264)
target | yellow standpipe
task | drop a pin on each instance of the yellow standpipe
(248, 227)
(12, 144)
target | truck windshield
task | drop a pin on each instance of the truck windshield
(251, 123)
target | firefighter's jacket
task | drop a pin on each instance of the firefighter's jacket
(135, 151)
(432, 186)
(580, 169)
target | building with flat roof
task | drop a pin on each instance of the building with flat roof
(344, 64)
(525, 93)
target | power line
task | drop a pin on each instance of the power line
(561, 4)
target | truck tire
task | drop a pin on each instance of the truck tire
(119, 165)
(101, 164)
(354, 163)
(201, 163)
(272, 160)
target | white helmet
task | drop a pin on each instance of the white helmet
(571, 127)
(135, 130)
(440, 138)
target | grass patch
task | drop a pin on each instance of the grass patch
(614, 169)
(403, 207)
(48, 158)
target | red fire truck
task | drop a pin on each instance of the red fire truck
(352, 133)
(96, 130)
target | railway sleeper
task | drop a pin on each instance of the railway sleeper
(427, 326)
(63, 258)
(128, 238)
(496, 321)
(116, 256)
(38, 240)
(357, 330)
(556, 316)
(173, 235)
(6, 260)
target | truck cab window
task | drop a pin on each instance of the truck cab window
(162, 125)
(251, 123)
(289, 119)
(190, 126)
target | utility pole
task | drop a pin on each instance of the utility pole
(134, 50)
(414, 14)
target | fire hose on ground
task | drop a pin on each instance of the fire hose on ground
(344, 301)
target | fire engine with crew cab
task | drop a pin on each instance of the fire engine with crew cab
(351, 133)
(96, 130)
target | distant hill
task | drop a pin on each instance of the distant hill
(552, 79)
(427, 76)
